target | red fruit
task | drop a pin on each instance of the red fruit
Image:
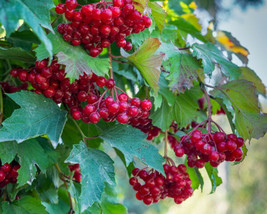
(239, 142)
(238, 153)
(222, 147)
(179, 152)
(146, 105)
(147, 21)
(76, 115)
(214, 156)
(89, 109)
(144, 190)
(123, 106)
(219, 137)
(96, 14)
(123, 97)
(133, 111)
(101, 81)
(148, 200)
(41, 64)
(199, 145)
(94, 52)
(231, 146)
(23, 75)
(14, 72)
(82, 96)
(118, 21)
(5, 168)
(76, 42)
(135, 171)
(128, 9)
(87, 10)
(122, 118)
(118, 3)
(114, 107)
(71, 4)
(50, 92)
(2, 176)
(105, 30)
(110, 83)
(200, 163)
(109, 100)
(106, 14)
(94, 117)
(139, 196)
(105, 43)
(77, 177)
(116, 12)
(69, 14)
(133, 181)
(128, 46)
(232, 137)
(206, 149)
(104, 113)
(121, 43)
(60, 9)
(136, 102)
(46, 72)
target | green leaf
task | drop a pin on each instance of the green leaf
(23, 39)
(196, 177)
(183, 111)
(25, 205)
(147, 63)
(8, 151)
(96, 169)
(37, 116)
(158, 14)
(250, 75)
(35, 13)
(181, 65)
(211, 55)
(16, 54)
(184, 26)
(130, 142)
(30, 153)
(213, 175)
(61, 207)
(249, 121)
(76, 59)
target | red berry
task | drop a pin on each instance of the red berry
(123, 97)
(23, 75)
(146, 105)
(214, 156)
(121, 43)
(71, 4)
(118, 3)
(219, 137)
(104, 113)
(94, 117)
(147, 21)
(88, 109)
(76, 115)
(69, 14)
(2, 176)
(94, 52)
(5, 168)
(14, 72)
(113, 107)
(148, 200)
(231, 146)
(136, 102)
(87, 10)
(196, 136)
(50, 92)
(122, 118)
(133, 111)
(101, 81)
(128, 46)
(239, 142)
(60, 9)
(133, 181)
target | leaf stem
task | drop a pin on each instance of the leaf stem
(66, 186)
(1, 105)
(81, 132)
(110, 61)
(166, 144)
(209, 110)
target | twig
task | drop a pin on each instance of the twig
(166, 144)
(110, 61)
(81, 132)
(66, 185)
(209, 109)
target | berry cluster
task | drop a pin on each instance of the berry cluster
(7, 88)
(8, 173)
(211, 147)
(176, 184)
(83, 97)
(97, 25)
(77, 172)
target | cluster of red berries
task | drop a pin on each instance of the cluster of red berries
(97, 25)
(77, 172)
(83, 97)
(7, 88)
(176, 184)
(8, 173)
(211, 147)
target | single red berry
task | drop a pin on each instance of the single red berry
(128, 46)
(133, 181)
(50, 92)
(214, 156)
(5, 168)
(88, 109)
(116, 12)
(60, 9)
(87, 10)
(14, 72)
(47, 72)
(146, 105)
(69, 14)
(82, 96)
(23, 75)
(128, 9)
(122, 118)
(147, 21)
(118, 3)
(76, 115)
(2, 176)
(114, 107)
(104, 113)
(94, 52)
(121, 43)
(219, 137)
(123, 97)
(101, 81)
(94, 117)
(133, 111)
(231, 146)
(196, 136)
(71, 4)
(136, 102)
(239, 142)
(110, 83)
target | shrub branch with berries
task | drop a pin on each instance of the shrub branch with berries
(85, 83)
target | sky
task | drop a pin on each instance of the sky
(250, 28)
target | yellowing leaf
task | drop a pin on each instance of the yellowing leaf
(193, 5)
(140, 5)
(231, 44)
(192, 19)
